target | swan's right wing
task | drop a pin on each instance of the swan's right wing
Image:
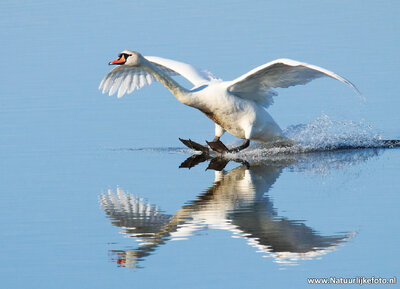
(126, 79)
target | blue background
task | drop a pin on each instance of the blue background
(60, 138)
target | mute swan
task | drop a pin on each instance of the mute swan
(237, 106)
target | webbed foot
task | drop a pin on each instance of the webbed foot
(194, 145)
(217, 146)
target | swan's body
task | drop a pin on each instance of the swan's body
(238, 106)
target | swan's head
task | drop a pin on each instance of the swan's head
(128, 57)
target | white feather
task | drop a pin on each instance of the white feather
(115, 85)
(133, 83)
(256, 84)
(143, 81)
(117, 79)
(124, 86)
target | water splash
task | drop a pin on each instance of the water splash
(323, 134)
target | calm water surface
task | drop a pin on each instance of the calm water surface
(96, 192)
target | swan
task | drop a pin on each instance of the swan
(237, 106)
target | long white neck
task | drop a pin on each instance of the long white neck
(181, 93)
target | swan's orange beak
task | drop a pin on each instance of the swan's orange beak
(119, 60)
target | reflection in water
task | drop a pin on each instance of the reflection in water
(236, 201)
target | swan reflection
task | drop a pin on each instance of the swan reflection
(237, 201)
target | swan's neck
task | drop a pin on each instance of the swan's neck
(181, 93)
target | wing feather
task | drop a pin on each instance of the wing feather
(143, 80)
(124, 86)
(128, 82)
(133, 85)
(258, 83)
(148, 78)
(115, 84)
(126, 79)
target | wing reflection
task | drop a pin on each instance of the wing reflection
(237, 201)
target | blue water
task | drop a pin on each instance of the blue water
(92, 193)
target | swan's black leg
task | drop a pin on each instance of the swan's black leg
(217, 145)
(194, 145)
(241, 147)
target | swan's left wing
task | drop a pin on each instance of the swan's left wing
(126, 79)
(258, 83)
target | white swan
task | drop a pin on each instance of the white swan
(237, 106)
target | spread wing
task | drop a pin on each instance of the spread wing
(258, 83)
(126, 79)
